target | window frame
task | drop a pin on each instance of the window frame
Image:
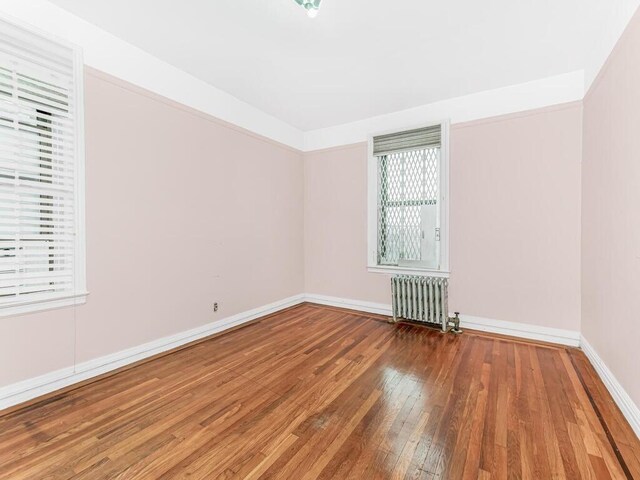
(373, 183)
(79, 294)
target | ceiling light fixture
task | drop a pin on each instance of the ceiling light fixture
(311, 6)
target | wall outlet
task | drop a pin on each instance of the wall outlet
(215, 307)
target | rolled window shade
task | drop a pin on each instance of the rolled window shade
(419, 138)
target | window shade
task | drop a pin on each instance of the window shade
(38, 166)
(409, 140)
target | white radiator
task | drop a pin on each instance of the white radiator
(421, 299)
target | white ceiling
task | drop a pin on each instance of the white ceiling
(358, 58)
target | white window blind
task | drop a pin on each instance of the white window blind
(41, 169)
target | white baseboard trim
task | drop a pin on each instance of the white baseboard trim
(520, 330)
(629, 409)
(527, 331)
(26, 390)
(23, 391)
(359, 305)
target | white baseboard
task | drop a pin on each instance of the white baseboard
(520, 330)
(629, 409)
(17, 393)
(20, 392)
(527, 331)
(359, 305)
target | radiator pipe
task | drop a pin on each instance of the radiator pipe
(454, 323)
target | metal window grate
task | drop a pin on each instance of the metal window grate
(408, 180)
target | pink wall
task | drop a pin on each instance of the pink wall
(610, 213)
(35, 344)
(182, 211)
(515, 220)
(515, 217)
(335, 226)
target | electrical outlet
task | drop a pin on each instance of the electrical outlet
(215, 307)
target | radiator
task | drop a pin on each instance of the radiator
(421, 299)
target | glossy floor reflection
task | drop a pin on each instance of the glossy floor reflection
(315, 392)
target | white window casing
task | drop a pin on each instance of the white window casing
(408, 201)
(42, 232)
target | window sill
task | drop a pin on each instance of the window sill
(408, 271)
(43, 303)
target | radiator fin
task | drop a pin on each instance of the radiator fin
(421, 299)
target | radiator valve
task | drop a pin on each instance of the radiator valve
(454, 323)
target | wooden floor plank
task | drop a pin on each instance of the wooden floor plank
(324, 393)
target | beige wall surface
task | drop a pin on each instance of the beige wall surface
(182, 211)
(611, 213)
(515, 220)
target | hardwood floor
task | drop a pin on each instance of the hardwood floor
(315, 392)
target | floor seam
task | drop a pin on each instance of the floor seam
(602, 421)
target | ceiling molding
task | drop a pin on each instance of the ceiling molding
(621, 14)
(106, 52)
(112, 55)
(549, 91)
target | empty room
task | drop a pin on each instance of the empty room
(319, 239)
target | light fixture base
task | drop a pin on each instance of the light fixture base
(311, 6)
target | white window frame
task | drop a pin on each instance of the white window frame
(372, 208)
(79, 296)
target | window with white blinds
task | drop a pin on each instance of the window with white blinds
(41, 172)
(408, 202)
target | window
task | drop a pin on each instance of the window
(408, 201)
(41, 172)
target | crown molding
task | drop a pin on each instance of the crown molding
(622, 11)
(108, 53)
(555, 90)
(116, 57)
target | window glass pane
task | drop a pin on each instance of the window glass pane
(409, 181)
